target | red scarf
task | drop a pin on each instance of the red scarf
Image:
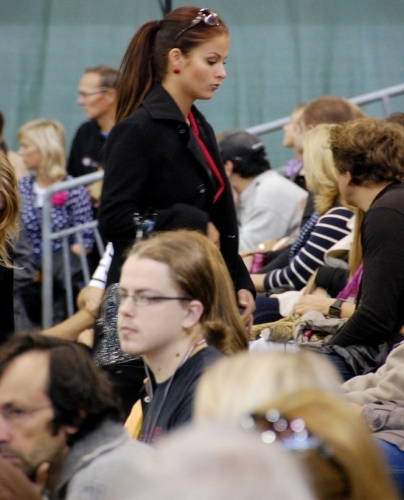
(208, 158)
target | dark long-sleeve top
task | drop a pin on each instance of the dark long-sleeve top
(86, 153)
(152, 161)
(380, 311)
(330, 228)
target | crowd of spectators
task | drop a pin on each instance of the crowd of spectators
(154, 388)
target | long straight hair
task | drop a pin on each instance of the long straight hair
(8, 216)
(145, 59)
(198, 271)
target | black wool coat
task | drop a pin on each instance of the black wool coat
(152, 161)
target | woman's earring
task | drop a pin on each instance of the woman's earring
(176, 70)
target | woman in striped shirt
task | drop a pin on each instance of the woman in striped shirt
(331, 226)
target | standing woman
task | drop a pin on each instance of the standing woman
(162, 161)
(8, 232)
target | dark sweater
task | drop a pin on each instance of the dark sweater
(380, 312)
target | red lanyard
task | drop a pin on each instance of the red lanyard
(207, 156)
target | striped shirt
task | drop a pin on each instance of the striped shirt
(329, 229)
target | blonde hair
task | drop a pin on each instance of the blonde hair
(319, 168)
(352, 466)
(198, 271)
(235, 386)
(49, 137)
(8, 216)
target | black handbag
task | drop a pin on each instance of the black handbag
(126, 372)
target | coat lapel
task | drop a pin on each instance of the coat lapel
(162, 106)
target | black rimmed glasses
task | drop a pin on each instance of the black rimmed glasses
(142, 299)
(206, 16)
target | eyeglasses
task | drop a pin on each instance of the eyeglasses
(18, 416)
(141, 299)
(293, 436)
(98, 90)
(207, 16)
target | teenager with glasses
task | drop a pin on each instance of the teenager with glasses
(177, 309)
(162, 155)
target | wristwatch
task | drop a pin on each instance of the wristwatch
(335, 308)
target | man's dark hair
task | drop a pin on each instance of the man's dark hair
(371, 150)
(1, 123)
(246, 151)
(80, 392)
(256, 165)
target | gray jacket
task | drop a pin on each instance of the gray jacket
(94, 462)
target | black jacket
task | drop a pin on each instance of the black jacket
(152, 161)
(86, 153)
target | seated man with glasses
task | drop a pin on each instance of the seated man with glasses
(60, 420)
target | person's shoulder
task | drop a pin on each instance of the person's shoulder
(26, 181)
(88, 126)
(208, 356)
(277, 180)
(338, 211)
(392, 197)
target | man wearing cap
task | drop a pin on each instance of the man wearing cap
(269, 205)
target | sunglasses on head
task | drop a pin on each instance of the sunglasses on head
(206, 16)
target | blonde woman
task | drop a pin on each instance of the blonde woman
(256, 390)
(333, 443)
(9, 205)
(328, 224)
(43, 150)
(245, 382)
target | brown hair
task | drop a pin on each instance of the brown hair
(371, 150)
(329, 109)
(396, 118)
(347, 464)
(198, 270)
(9, 216)
(145, 59)
(108, 74)
(80, 392)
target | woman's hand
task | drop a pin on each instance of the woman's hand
(76, 248)
(313, 303)
(246, 302)
(90, 298)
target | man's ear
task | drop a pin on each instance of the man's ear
(111, 94)
(228, 167)
(193, 314)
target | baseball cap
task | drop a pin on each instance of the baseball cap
(237, 144)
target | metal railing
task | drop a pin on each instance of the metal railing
(384, 96)
(47, 255)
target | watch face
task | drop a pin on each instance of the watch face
(334, 311)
